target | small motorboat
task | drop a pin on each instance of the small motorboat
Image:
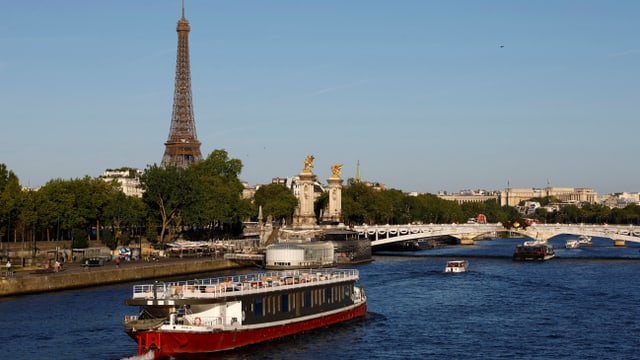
(584, 240)
(572, 244)
(456, 266)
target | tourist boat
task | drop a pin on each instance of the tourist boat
(572, 244)
(538, 251)
(534, 242)
(208, 315)
(584, 240)
(456, 266)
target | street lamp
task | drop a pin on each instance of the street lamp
(58, 237)
(9, 232)
(9, 237)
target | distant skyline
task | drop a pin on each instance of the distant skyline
(429, 96)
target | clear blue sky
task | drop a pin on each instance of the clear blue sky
(427, 95)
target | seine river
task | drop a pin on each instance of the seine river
(584, 304)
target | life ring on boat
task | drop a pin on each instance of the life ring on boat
(197, 321)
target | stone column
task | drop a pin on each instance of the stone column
(334, 213)
(304, 215)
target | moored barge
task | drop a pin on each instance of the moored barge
(217, 314)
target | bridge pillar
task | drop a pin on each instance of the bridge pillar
(466, 239)
(618, 242)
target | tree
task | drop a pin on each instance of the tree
(56, 211)
(121, 214)
(10, 201)
(276, 200)
(321, 204)
(220, 200)
(357, 203)
(168, 192)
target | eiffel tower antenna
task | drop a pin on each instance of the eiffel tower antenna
(182, 147)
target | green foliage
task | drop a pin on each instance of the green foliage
(321, 203)
(122, 211)
(11, 202)
(168, 192)
(208, 195)
(80, 242)
(220, 199)
(276, 200)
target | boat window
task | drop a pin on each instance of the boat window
(307, 298)
(285, 303)
(257, 309)
(327, 295)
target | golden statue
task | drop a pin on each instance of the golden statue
(308, 163)
(335, 169)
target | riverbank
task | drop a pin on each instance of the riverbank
(74, 275)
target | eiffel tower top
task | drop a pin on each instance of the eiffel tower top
(182, 147)
(183, 23)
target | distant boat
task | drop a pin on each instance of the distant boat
(456, 266)
(584, 240)
(533, 251)
(534, 242)
(572, 244)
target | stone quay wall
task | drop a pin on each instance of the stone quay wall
(32, 283)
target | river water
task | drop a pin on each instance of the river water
(581, 305)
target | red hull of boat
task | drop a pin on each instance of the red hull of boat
(172, 343)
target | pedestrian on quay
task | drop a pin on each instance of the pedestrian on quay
(8, 266)
(118, 261)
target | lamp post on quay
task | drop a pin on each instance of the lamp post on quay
(9, 237)
(58, 237)
(9, 213)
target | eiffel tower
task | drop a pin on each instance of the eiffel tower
(182, 148)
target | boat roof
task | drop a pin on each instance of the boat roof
(214, 289)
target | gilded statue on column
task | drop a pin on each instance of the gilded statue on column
(308, 164)
(335, 170)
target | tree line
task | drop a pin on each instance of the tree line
(205, 201)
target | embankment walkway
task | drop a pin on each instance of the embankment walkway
(75, 276)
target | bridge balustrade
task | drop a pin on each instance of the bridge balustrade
(385, 234)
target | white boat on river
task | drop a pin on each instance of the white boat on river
(572, 244)
(456, 266)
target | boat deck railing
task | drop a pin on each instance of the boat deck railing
(242, 284)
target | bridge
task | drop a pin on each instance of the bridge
(467, 233)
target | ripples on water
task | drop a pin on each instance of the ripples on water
(573, 307)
